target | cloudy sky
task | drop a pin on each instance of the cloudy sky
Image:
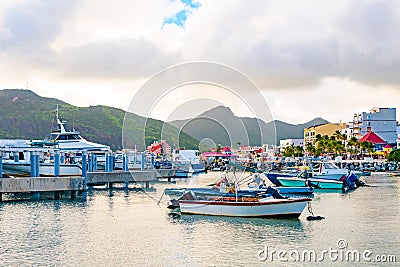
(310, 59)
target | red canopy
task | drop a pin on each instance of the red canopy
(373, 138)
(215, 154)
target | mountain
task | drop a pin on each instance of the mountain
(223, 127)
(26, 115)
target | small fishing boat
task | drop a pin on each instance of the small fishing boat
(272, 176)
(314, 182)
(189, 203)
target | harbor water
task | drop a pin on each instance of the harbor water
(128, 228)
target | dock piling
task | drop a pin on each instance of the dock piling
(16, 156)
(143, 161)
(34, 158)
(1, 164)
(57, 169)
(84, 164)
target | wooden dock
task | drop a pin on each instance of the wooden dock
(57, 186)
(37, 185)
(133, 176)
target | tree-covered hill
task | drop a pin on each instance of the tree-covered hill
(26, 115)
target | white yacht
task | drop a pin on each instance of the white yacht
(70, 143)
(72, 140)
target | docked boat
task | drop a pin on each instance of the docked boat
(23, 168)
(183, 168)
(193, 156)
(189, 203)
(72, 140)
(70, 144)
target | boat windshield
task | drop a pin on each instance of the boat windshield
(68, 137)
(330, 165)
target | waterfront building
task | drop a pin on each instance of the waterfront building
(374, 139)
(290, 142)
(381, 121)
(329, 129)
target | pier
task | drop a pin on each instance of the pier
(143, 177)
(38, 185)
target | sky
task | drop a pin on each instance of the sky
(308, 58)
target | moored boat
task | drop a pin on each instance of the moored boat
(212, 192)
(242, 207)
(314, 182)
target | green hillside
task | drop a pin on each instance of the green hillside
(222, 126)
(25, 115)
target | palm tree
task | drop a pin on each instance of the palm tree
(310, 148)
(298, 151)
(289, 151)
(353, 145)
(367, 147)
(318, 137)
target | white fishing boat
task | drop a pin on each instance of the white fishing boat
(328, 170)
(242, 207)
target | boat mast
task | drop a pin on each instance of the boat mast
(59, 123)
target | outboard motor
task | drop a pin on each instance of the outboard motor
(274, 193)
(187, 195)
(174, 204)
(348, 181)
(311, 184)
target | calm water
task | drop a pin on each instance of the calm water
(130, 229)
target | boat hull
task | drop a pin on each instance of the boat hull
(198, 167)
(319, 183)
(269, 208)
(272, 176)
(45, 169)
(165, 173)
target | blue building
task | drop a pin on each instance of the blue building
(381, 121)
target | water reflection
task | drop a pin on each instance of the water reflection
(130, 229)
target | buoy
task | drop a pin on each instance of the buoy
(315, 218)
(312, 217)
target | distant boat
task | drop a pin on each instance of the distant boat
(183, 168)
(193, 156)
(242, 207)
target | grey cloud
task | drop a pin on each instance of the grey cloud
(360, 43)
(122, 59)
(371, 50)
(34, 26)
